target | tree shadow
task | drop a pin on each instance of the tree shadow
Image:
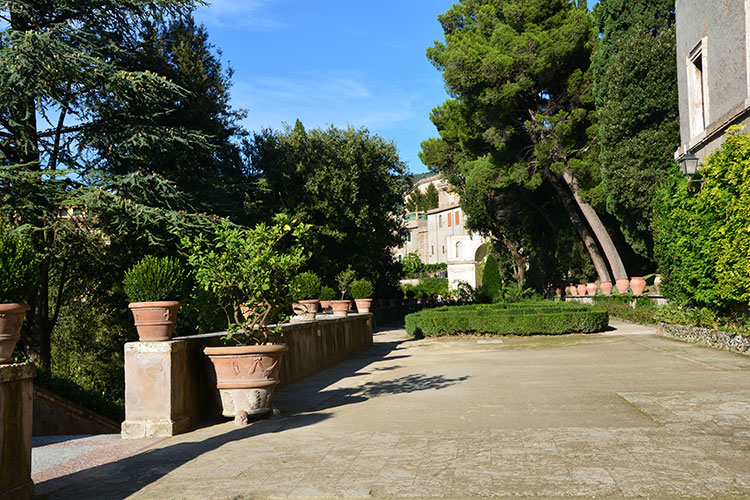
(122, 478)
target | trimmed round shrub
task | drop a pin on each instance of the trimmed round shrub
(154, 279)
(523, 318)
(305, 286)
(19, 269)
(327, 293)
(362, 289)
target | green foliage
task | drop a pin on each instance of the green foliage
(362, 289)
(347, 183)
(249, 267)
(19, 269)
(619, 306)
(344, 280)
(701, 233)
(530, 318)
(427, 287)
(155, 278)
(411, 263)
(635, 84)
(419, 201)
(327, 293)
(305, 286)
(491, 284)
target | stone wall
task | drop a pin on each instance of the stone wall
(16, 404)
(56, 416)
(705, 336)
(169, 385)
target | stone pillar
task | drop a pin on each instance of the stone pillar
(155, 389)
(16, 405)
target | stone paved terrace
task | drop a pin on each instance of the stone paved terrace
(623, 414)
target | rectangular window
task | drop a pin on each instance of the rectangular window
(443, 249)
(457, 223)
(432, 250)
(440, 221)
(408, 237)
(450, 220)
(696, 80)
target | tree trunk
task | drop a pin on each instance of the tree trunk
(519, 261)
(583, 231)
(602, 236)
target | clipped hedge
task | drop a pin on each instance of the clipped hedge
(507, 319)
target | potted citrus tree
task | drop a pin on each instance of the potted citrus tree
(362, 291)
(155, 286)
(249, 271)
(19, 273)
(305, 289)
(344, 280)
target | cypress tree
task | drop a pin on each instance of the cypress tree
(491, 285)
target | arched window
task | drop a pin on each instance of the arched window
(459, 249)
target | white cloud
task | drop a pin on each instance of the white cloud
(245, 14)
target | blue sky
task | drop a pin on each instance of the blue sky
(333, 62)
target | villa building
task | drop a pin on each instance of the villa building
(438, 236)
(713, 71)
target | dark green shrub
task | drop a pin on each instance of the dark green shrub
(154, 279)
(327, 293)
(628, 307)
(362, 289)
(531, 318)
(19, 270)
(492, 286)
(428, 287)
(305, 286)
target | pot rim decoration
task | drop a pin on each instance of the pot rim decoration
(12, 315)
(155, 321)
(307, 309)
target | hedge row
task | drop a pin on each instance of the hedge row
(516, 320)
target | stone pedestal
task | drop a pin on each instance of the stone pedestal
(16, 404)
(155, 395)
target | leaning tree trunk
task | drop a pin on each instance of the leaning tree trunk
(583, 231)
(519, 261)
(602, 236)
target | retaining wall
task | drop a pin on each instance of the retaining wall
(16, 404)
(705, 336)
(169, 386)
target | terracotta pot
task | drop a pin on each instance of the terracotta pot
(363, 305)
(581, 290)
(11, 320)
(306, 310)
(657, 283)
(340, 307)
(155, 320)
(606, 287)
(558, 292)
(570, 290)
(325, 306)
(622, 285)
(591, 288)
(637, 284)
(246, 376)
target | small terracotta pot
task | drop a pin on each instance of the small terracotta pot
(570, 290)
(155, 320)
(246, 376)
(637, 284)
(363, 305)
(606, 287)
(581, 290)
(591, 288)
(306, 310)
(11, 320)
(622, 285)
(325, 306)
(340, 307)
(657, 283)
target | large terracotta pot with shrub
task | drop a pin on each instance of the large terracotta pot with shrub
(591, 288)
(340, 307)
(246, 377)
(306, 310)
(362, 291)
(606, 288)
(622, 285)
(581, 290)
(305, 289)
(11, 320)
(638, 285)
(153, 284)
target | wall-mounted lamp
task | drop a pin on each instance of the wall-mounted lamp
(689, 163)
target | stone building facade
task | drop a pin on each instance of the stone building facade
(713, 71)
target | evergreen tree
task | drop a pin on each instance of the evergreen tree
(492, 286)
(635, 84)
(431, 198)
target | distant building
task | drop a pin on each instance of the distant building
(438, 236)
(713, 71)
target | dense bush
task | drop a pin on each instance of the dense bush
(701, 231)
(702, 317)
(427, 287)
(327, 293)
(362, 289)
(526, 318)
(305, 286)
(620, 306)
(155, 278)
(491, 290)
(19, 271)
